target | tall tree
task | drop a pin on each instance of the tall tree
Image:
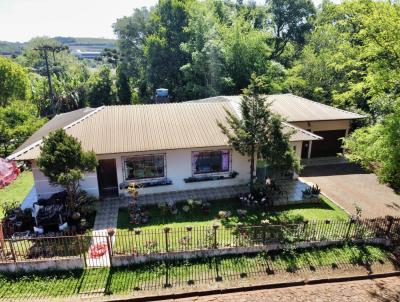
(14, 81)
(257, 133)
(205, 73)
(163, 53)
(18, 121)
(101, 88)
(64, 162)
(377, 147)
(291, 21)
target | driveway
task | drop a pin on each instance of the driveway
(347, 184)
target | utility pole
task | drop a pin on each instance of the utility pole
(44, 51)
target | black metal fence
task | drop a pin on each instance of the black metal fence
(98, 251)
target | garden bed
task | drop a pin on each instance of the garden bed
(200, 274)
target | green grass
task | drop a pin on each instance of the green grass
(16, 191)
(201, 237)
(324, 210)
(153, 276)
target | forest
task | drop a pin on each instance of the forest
(346, 55)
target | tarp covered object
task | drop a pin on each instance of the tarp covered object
(8, 172)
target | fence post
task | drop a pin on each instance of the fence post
(110, 233)
(166, 232)
(12, 250)
(82, 248)
(349, 228)
(215, 227)
(390, 219)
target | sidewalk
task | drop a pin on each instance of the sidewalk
(106, 217)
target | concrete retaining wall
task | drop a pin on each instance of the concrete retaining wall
(40, 265)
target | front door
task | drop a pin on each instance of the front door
(107, 178)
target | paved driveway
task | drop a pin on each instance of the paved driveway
(347, 184)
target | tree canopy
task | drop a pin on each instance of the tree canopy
(14, 81)
(64, 162)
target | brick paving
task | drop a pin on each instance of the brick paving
(347, 184)
(382, 290)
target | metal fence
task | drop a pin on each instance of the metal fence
(98, 250)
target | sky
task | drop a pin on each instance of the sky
(21, 20)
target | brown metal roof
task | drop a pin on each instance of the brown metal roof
(295, 109)
(134, 128)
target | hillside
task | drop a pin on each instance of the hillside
(84, 44)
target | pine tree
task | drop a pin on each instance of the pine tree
(258, 132)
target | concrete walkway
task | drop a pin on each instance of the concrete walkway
(106, 217)
(347, 184)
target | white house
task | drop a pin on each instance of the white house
(179, 146)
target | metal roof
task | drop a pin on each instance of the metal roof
(135, 128)
(294, 108)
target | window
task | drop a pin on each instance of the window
(144, 167)
(210, 162)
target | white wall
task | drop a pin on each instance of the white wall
(179, 167)
(44, 189)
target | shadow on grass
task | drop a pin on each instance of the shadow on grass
(160, 275)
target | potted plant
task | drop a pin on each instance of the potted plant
(315, 191)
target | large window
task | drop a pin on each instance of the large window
(210, 162)
(144, 167)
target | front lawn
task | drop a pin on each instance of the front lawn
(153, 276)
(151, 237)
(325, 210)
(16, 191)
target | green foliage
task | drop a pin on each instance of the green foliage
(100, 88)
(292, 20)
(377, 148)
(18, 121)
(14, 83)
(64, 162)
(258, 132)
(162, 49)
(352, 58)
(198, 49)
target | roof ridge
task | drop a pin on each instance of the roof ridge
(322, 104)
(70, 125)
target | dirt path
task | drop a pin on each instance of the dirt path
(347, 184)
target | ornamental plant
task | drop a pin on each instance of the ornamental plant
(64, 162)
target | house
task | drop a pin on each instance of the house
(179, 146)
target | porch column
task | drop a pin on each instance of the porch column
(309, 149)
